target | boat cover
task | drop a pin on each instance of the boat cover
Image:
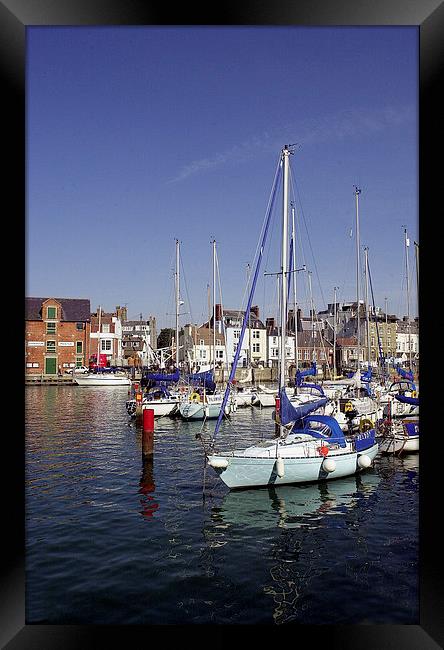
(291, 413)
(153, 376)
(407, 400)
(305, 373)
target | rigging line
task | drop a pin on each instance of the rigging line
(250, 298)
(265, 220)
(222, 309)
(186, 286)
(381, 354)
(293, 181)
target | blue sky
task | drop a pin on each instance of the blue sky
(137, 136)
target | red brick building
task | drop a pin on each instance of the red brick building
(57, 334)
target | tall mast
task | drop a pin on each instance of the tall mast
(293, 235)
(214, 305)
(284, 264)
(312, 316)
(334, 333)
(386, 328)
(177, 303)
(249, 317)
(98, 338)
(367, 307)
(358, 267)
(407, 244)
(417, 265)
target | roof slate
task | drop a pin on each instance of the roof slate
(73, 309)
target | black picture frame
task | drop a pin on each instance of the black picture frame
(15, 17)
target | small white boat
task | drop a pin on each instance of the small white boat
(159, 399)
(102, 379)
(244, 397)
(202, 407)
(401, 437)
(357, 413)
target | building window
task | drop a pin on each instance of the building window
(236, 334)
(79, 326)
(201, 342)
(105, 328)
(274, 340)
(256, 334)
(50, 328)
(51, 312)
(219, 354)
(300, 355)
(50, 346)
(79, 347)
(218, 342)
(105, 345)
(79, 362)
(307, 355)
(202, 354)
(256, 347)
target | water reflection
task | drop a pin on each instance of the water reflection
(294, 505)
(147, 488)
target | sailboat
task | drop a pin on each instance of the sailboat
(103, 377)
(159, 396)
(205, 403)
(307, 446)
(399, 430)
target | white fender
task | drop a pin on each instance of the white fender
(220, 463)
(329, 465)
(364, 461)
(280, 468)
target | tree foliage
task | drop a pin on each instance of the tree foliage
(165, 338)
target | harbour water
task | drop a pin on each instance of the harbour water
(112, 538)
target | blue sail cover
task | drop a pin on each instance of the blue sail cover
(306, 373)
(153, 376)
(406, 374)
(318, 387)
(291, 413)
(367, 375)
(159, 388)
(203, 378)
(408, 400)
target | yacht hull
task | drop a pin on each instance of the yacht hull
(246, 472)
